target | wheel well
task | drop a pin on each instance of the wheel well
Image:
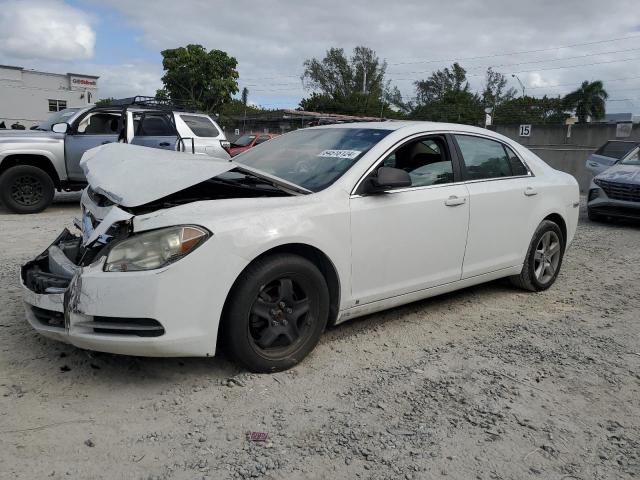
(320, 260)
(37, 161)
(324, 264)
(558, 220)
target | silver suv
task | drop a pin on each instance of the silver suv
(36, 163)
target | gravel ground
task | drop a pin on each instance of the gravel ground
(486, 383)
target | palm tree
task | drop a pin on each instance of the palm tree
(588, 100)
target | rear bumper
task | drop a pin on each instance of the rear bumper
(173, 311)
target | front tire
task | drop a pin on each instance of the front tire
(26, 189)
(276, 313)
(544, 258)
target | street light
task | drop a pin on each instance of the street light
(521, 84)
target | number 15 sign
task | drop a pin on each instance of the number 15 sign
(525, 130)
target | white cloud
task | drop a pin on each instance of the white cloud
(127, 80)
(272, 44)
(35, 29)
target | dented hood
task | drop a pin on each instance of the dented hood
(622, 174)
(130, 175)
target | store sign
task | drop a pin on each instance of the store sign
(83, 82)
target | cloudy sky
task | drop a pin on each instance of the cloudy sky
(120, 40)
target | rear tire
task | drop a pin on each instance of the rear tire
(276, 313)
(544, 258)
(26, 189)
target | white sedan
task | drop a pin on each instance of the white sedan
(179, 255)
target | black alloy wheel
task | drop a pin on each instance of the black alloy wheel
(276, 312)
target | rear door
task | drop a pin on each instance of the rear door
(155, 130)
(90, 130)
(504, 196)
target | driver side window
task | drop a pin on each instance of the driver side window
(99, 123)
(426, 160)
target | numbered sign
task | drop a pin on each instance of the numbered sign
(525, 130)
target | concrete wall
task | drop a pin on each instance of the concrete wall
(567, 147)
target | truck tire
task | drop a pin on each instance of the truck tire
(26, 189)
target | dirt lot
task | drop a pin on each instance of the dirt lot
(486, 383)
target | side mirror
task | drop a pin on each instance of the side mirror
(59, 127)
(388, 178)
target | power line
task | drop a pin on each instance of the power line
(492, 55)
(522, 52)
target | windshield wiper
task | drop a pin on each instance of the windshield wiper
(277, 182)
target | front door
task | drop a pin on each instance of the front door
(412, 238)
(92, 130)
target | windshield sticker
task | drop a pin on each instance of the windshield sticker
(350, 154)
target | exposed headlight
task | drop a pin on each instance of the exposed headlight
(154, 249)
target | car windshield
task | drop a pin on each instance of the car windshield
(244, 140)
(615, 149)
(58, 117)
(633, 159)
(312, 158)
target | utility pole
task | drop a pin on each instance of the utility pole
(364, 80)
(521, 84)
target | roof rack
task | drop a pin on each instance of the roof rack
(153, 102)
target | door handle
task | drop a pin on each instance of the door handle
(105, 142)
(164, 144)
(593, 164)
(453, 201)
(530, 191)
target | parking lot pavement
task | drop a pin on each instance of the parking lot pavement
(488, 382)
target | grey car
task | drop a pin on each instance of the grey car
(609, 154)
(616, 191)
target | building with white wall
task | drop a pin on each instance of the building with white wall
(28, 97)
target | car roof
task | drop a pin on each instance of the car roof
(410, 126)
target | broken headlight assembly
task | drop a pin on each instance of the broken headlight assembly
(154, 249)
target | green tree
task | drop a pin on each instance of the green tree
(545, 110)
(440, 83)
(104, 102)
(455, 106)
(205, 79)
(588, 101)
(354, 85)
(244, 96)
(446, 97)
(495, 89)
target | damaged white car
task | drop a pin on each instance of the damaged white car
(178, 255)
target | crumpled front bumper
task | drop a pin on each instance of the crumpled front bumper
(173, 311)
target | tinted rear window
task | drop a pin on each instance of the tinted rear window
(615, 149)
(200, 126)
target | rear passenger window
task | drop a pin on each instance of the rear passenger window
(153, 125)
(200, 126)
(483, 158)
(517, 167)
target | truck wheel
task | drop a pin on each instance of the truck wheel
(26, 189)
